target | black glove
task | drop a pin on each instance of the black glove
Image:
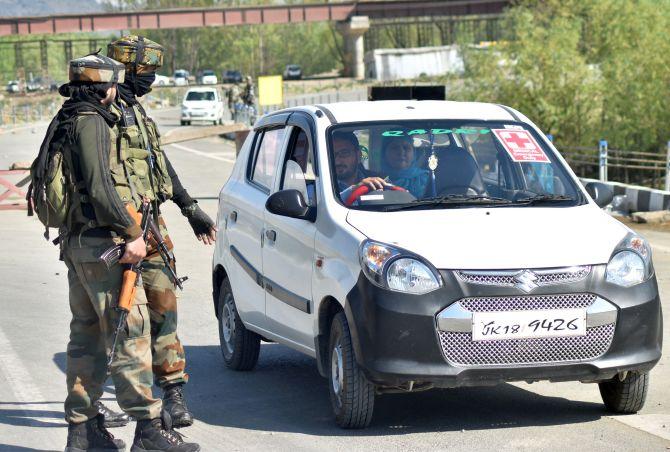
(197, 218)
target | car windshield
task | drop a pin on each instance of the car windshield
(293, 67)
(208, 73)
(443, 164)
(200, 95)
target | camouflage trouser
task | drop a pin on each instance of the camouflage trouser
(169, 360)
(94, 290)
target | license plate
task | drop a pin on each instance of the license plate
(487, 326)
(198, 113)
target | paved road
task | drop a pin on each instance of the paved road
(283, 404)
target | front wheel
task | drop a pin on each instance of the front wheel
(625, 394)
(239, 346)
(351, 394)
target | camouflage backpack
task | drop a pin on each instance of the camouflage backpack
(49, 190)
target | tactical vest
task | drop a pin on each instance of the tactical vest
(141, 160)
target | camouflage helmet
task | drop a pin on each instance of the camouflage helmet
(96, 68)
(136, 52)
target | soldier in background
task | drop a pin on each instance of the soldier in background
(233, 95)
(156, 179)
(249, 92)
(98, 218)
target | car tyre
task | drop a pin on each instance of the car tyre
(351, 394)
(625, 395)
(239, 346)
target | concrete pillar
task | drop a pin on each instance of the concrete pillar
(354, 50)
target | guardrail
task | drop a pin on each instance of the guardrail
(650, 169)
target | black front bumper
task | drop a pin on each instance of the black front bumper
(396, 337)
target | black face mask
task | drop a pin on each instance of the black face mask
(138, 84)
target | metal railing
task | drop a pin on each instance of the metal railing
(631, 167)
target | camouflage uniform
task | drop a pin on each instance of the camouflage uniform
(169, 360)
(142, 56)
(97, 219)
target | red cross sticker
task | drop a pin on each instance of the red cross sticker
(521, 146)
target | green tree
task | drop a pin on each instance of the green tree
(581, 70)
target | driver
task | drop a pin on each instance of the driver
(350, 173)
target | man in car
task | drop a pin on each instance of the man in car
(350, 173)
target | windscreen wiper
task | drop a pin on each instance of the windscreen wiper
(540, 199)
(449, 200)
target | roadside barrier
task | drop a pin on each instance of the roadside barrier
(13, 198)
(631, 167)
(638, 198)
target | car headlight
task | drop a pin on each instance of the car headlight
(398, 270)
(630, 263)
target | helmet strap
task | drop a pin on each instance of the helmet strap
(139, 56)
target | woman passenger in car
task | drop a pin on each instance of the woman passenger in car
(400, 162)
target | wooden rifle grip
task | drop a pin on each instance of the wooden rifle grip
(128, 289)
(134, 214)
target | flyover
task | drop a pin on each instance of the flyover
(352, 17)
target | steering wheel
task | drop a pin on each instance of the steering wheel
(364, 189)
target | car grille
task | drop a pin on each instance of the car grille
(545, 277)
(521, 303)
(459, 349)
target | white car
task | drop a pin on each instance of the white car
(161, 80)
(209, 78)
(180, 77)
(481, 260)
(202, 104)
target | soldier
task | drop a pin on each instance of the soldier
(142, 57)
(233, 94)
(98, 218)
(249, 94)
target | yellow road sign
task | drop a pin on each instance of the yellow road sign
(270, 90)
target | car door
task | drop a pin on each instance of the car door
(245, 224)
(288, 247)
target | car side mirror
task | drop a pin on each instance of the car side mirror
(290, 203)
(601, 193)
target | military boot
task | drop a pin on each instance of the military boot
(173, 403)
(112, 418)
(92, 436)
(154, 435)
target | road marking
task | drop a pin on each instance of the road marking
(655, 424)
(22, 385)
(214, 156)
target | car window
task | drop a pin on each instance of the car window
(504, 163)
(298, 169)
(266, 157)
(200, 95)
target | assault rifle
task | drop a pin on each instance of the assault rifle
(132, 274)
(113, 254)
(131, 278)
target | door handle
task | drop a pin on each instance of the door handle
(271, 235)
(233, 216)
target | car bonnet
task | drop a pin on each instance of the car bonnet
(497, 238)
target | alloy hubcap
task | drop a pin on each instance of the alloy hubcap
(228, 323)
(337, 372)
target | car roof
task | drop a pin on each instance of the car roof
(388, 110)
(200, 89)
